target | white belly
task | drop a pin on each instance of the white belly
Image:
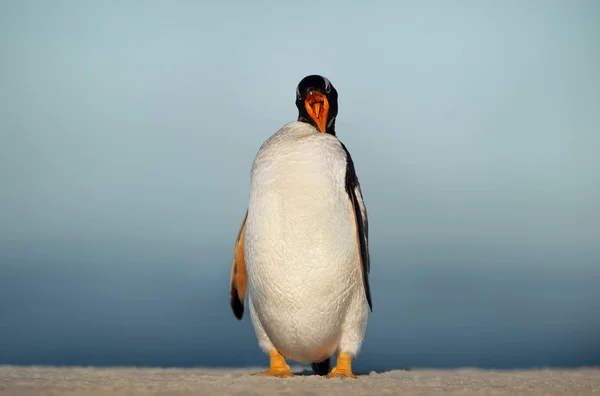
(300, 245)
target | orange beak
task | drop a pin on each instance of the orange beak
(317, 107)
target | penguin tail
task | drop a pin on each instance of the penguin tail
(321, 368)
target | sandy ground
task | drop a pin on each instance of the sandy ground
(20, 381)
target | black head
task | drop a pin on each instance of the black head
(317, 102)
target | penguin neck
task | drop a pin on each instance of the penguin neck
(330, 129)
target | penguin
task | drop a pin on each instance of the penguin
(301, 256)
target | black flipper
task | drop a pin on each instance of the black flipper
(238, 279)
(360, 213)
(321, 368)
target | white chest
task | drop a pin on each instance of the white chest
(300, 232)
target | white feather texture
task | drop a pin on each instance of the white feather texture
(305, 288)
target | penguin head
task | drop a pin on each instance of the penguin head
(317, 102)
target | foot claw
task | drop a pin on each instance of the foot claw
(341, 373)
(276, 373)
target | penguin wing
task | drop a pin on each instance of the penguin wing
(238, 279)
(362, 222)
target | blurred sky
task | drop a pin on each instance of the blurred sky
(127, 131)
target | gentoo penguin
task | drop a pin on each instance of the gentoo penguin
(302, 251)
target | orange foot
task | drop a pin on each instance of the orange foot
(343, 367)
(278, 367)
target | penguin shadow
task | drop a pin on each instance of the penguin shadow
(359, 373)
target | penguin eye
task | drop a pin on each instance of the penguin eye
(327, 85)
(298, 93)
